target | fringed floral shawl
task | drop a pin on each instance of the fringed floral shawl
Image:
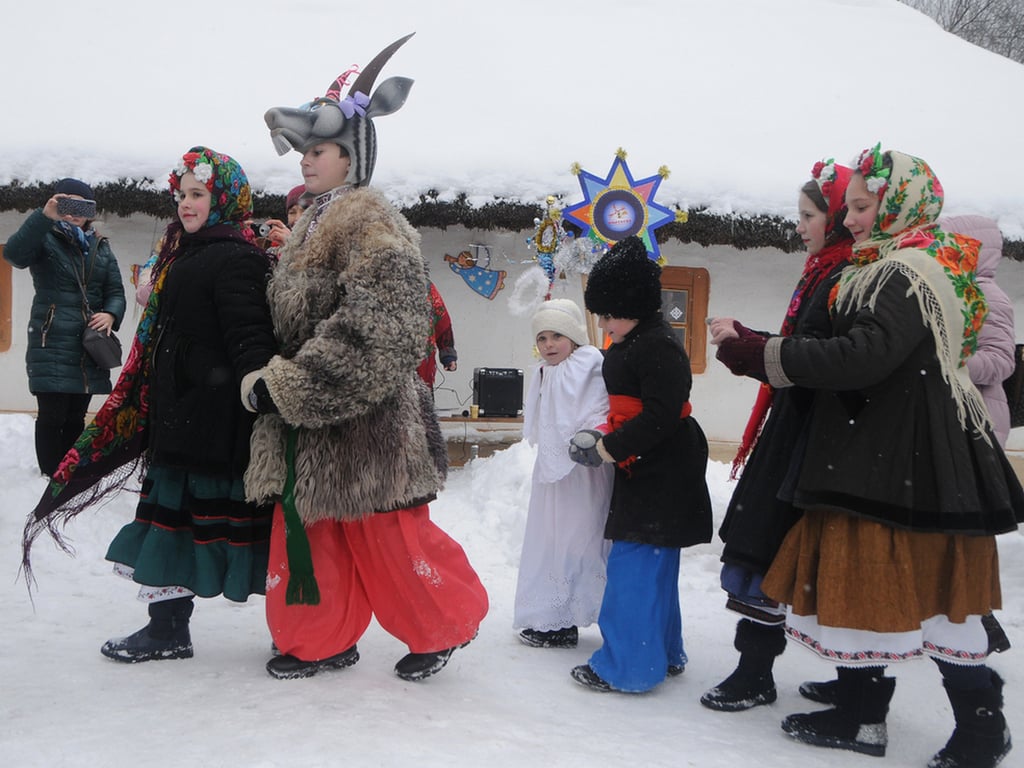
(113, 446)
(110, 450)
(940, 268)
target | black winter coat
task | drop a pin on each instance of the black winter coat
(661, 498)
(761, 512)
(213, 328)
(56, 359)
(885, 442)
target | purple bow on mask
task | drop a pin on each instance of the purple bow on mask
(351, 105)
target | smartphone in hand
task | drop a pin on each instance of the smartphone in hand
(73, 206)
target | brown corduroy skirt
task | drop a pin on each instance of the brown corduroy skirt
(858, 574)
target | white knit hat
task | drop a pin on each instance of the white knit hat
(561, 316)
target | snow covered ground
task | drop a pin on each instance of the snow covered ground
(498, 703)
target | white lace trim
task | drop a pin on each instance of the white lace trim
(149, 594)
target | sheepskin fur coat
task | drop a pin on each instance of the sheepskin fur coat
(350, 309)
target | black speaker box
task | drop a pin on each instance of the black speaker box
(498, 391)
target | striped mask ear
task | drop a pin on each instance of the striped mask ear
(363, 153)
(389, 96)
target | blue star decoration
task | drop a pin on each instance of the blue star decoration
(619, 206)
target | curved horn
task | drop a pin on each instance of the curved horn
(364, 82)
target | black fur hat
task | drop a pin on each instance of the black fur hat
(625, 282)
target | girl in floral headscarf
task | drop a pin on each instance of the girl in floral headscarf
(177, 416)
(903, 484)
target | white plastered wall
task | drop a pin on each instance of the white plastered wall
(753, 285)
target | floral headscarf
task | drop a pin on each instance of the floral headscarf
(231, 194)
(832, 179)
(911, 201)
(940, 266)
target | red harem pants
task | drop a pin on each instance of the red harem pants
(397, 566)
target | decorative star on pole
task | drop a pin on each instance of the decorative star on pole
(619, 206)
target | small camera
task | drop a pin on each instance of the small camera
(265, 229)
(73, 206)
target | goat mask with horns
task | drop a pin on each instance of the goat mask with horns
(345, 121)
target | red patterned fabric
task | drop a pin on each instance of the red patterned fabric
(441, 338)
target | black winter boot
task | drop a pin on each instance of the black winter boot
(165, 637)
(752, 683)
(981, 738)
(823, 693)
(588, 678)
(567, 637)
(857, 722)
(998, 642)
(418, 666)
(284, 666)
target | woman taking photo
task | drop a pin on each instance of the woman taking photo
(77, 283)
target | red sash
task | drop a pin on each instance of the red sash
(622, 408)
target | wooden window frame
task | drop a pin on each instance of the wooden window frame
(696, 282)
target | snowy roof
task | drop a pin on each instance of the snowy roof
(737, 98)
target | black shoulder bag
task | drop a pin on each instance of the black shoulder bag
(103, 348)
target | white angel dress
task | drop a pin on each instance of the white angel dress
(562, 568)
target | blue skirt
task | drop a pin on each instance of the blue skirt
(640, 621)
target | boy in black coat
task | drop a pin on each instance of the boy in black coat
(660, 501)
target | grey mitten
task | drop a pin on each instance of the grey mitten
(583, 448)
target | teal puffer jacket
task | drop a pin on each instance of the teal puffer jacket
(56, 360)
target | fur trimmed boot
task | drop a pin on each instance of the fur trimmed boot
(857, 722)
(165, 637)
(752, 683)
(981, 738)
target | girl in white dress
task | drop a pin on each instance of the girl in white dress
(562, 568)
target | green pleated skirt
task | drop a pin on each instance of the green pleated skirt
(196, 531)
